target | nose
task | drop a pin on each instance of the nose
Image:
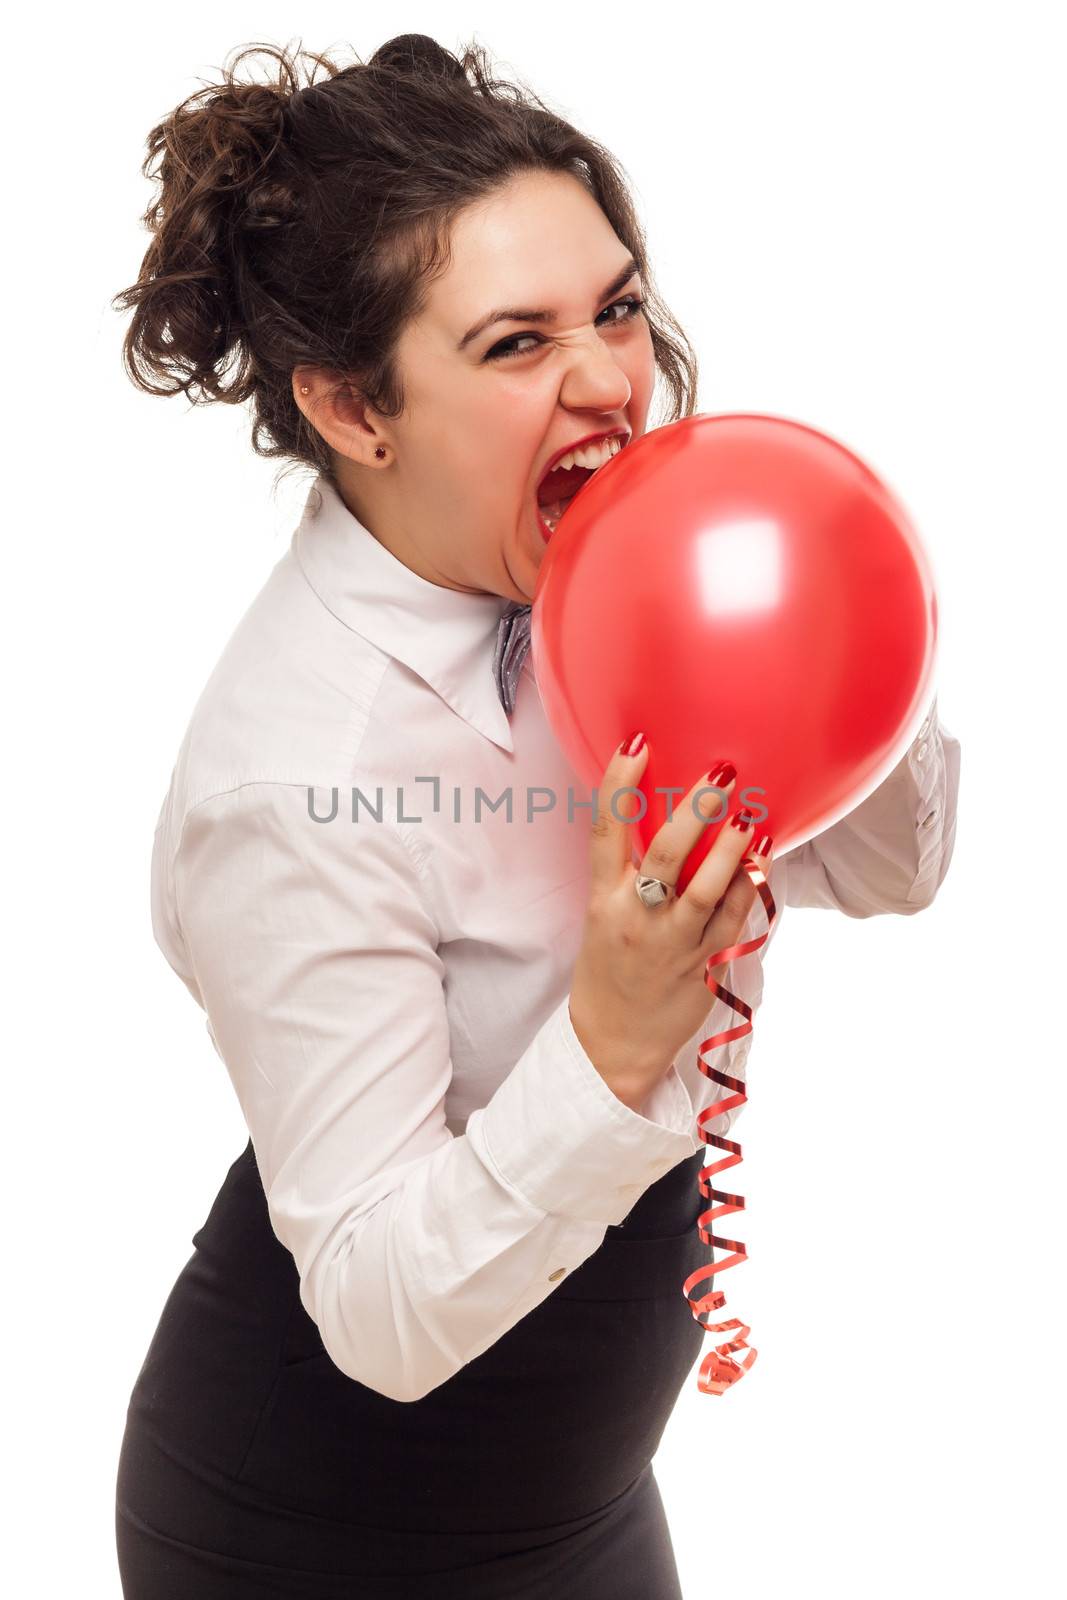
(594, 380)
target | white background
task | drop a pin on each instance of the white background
(854, 210)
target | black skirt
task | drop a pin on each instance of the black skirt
(251, 1466)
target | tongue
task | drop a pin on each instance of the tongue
(562, 484)
(554, 510)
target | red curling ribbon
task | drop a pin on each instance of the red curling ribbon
(718, 1370)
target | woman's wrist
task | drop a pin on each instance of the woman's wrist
(630, 1077)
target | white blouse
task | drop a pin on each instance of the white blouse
(389, 994)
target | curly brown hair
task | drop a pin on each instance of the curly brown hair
(301, 225)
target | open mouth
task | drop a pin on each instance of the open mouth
(559, 487)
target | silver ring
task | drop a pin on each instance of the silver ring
(652, 891)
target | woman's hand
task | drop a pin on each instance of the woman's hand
(638, 991)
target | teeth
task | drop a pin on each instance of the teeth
(591, 456)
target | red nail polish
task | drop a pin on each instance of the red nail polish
(742, 820)
(723, 774)
(764, 847)
(632, 745)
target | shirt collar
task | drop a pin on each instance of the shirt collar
(448, 638)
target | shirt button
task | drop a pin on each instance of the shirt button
(557, 1274)
(921, 751)
(930, 817)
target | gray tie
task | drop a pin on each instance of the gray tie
(512, 643)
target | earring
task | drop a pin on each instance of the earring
(304, 389)
(380, 452)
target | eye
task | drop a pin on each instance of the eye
(630, 304)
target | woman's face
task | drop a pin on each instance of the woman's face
(456, 496)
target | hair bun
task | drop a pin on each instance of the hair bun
(414, 52)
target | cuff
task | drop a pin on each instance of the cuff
(933, 816)
(557, 1134)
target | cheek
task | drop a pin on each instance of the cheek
(507, 411)
(483, 428)
(509, 430)
(640, 365)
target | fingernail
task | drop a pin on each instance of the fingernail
(631, 746)
(764, 846)
(721, 775)
(742, 820)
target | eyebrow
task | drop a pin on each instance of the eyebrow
(519, 314)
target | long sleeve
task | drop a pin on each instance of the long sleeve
(316, 959)
(891, 853)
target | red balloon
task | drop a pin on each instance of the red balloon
(742, 588)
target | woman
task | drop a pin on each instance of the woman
(433, 1326)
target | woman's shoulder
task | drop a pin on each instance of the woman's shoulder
(290, 699)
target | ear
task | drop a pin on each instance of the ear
(336, 409)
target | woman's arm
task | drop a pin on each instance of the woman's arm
(891, 853)
(313, 953)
